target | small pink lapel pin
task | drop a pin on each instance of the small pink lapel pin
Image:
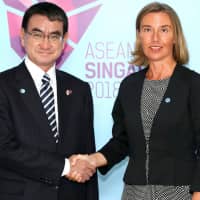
(68, 92)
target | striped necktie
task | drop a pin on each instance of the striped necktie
(47, 98)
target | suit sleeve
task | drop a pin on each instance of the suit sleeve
(19, 158)
(195, 118)
(117, 147)
(92, 184)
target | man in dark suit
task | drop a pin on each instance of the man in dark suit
(46, 116)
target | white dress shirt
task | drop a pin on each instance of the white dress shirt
(37, 74)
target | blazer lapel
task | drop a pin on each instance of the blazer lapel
(138, 100)
(170, 98)
(133, 99)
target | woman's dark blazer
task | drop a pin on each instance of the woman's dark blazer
(175, 133)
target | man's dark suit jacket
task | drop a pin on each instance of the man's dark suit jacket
(31, 163)
(175, 133)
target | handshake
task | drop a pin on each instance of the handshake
(83, 167)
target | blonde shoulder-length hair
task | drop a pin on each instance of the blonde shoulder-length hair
(180, 51)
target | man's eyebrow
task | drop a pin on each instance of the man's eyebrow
(56, 32)
(53, 32)
(37, 30)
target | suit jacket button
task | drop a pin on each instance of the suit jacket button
(56, 187)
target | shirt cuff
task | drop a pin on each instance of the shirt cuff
(66, 167)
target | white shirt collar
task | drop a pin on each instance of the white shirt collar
(37, 73)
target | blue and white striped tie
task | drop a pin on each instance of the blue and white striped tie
(47, 98)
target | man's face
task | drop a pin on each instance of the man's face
(43, 41)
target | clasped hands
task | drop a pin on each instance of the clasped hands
(82, 168)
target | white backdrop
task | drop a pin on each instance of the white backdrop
(102, 34)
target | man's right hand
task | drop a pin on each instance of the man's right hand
(81, 168)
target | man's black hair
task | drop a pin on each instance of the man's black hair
(50, 10)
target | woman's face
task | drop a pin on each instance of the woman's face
(157, 37)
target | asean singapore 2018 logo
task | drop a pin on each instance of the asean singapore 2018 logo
(80, 14)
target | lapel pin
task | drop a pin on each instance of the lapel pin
(167, 100)
(68, 92)
(22, 90)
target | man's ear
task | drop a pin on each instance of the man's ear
(22, 36)
(65, 38)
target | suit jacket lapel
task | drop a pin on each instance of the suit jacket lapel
(63, 102)
(29, 95)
